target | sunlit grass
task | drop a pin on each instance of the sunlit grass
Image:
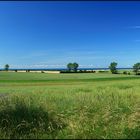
(95, 109)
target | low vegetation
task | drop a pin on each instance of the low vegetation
(74, 106)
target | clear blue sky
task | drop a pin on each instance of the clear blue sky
(51, 34)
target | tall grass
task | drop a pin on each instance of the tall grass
(97, 110)
(77, 113)
(24, 117)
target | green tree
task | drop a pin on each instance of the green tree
(7, 67)
(75, 66)
(113, 68)
(136, 68)
(70, 66)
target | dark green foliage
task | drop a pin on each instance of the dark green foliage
(80, 71)
(124, 72)
(72, 66)
(75, 66)
(93, 71)
(138, 73)
(132, 133)
(26, 119)
(113, 68)
(103, 71)
(7, 67)
(136, 68)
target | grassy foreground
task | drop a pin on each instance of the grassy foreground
(34, 105)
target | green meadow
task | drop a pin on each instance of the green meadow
(69, 106)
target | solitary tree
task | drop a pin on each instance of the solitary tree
(69, 66)
(72, 66)
(75, 66)
(136, 68)
(7, 67)
(113, 68)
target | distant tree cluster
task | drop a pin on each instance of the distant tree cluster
(136, 68)
(73, 66)
(112, 67)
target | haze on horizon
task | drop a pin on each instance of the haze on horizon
(52, 34)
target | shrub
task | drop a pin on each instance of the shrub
(93, 71)
(138, 74)
(124, 72)
(103, 71)
(80, 71)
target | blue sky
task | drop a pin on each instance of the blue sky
(52, 34)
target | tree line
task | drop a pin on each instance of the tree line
(73, 67)
(113, 67)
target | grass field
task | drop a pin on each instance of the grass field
(92, 105)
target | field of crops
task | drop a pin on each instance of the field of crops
(92, 105)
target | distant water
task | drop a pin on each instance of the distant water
(59, 69)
